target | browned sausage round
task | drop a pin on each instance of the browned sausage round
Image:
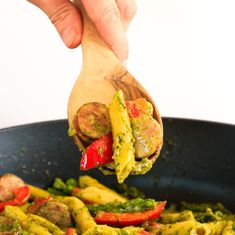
(84, 138)
(8, 183)
(146, 130)
(147, 134)
(93, 120)
(56, 212)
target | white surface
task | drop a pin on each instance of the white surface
(182, 51)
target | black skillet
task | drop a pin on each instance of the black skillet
(197, 162)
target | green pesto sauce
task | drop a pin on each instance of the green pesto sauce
(142, 167)
(71, 131)
(233, 226)
(205, 217)
(202, 207)
(8, 225)
(131, 206)
(150, 106)
(129, 191)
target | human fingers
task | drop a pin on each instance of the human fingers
(127, 10)
(66, 18)
(106, 17)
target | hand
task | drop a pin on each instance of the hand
(111, 18)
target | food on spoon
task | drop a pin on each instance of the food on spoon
(92, 119)
(99, 153)
(123, 149)
(124, 138)
(146, 130)
(71, 214)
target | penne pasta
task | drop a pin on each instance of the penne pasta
(79, 212)
(96, 195)
(52, 228)
(123, 148)
(26, 223)
(37, 192)
(86, 181)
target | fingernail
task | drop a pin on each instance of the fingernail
(68, 36)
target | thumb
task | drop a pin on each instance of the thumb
(106, 17)
(66, 18)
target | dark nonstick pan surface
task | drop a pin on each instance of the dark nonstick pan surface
(196, 164)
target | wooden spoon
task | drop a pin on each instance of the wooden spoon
(101, 76)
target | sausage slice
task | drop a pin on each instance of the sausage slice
(93, 120)
(146, 130)
(56, 212)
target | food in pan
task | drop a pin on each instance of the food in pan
(87, 207)
(121, 139)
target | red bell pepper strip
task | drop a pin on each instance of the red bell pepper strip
(71, 231)
(21, 196)
(133, 110)
(151, 225)
(75, 190)
(143, 232)
(126, 219)
(98, 153)
(38, 202)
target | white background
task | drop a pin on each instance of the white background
(182, 51)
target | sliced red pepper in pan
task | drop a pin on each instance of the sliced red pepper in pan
(143, 232)
(38, 202)
(21, 196)
(98, 153)
(128, 219)
(75, 190)
(71, 231)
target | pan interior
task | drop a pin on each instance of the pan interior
(196, 164)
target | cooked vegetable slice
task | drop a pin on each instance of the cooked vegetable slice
(124, 157)
(146, 130)
(93, 120)
(37, 203)
(126, 219)
(71, 231)
(142, 232)
(98, 153)
(21, 196)
(139, 107)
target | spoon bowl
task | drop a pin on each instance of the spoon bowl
(101, 76)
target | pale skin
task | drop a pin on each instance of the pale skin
(111, 18)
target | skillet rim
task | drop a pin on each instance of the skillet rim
(46, 122)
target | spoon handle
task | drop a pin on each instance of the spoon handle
(96, 53)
